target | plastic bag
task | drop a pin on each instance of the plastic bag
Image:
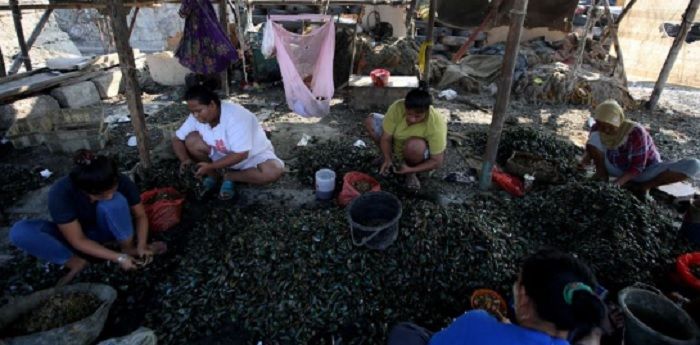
(268, 42)
(163, 213)
(683, 265)
(81, 332)
(380, 77)
(509, 183)
(349, 191)
(141, 336)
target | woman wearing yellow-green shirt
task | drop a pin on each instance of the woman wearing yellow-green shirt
(411, 131)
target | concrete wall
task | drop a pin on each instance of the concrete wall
(52, 42)
(153, 27)
(645, 45)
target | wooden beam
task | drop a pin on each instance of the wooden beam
(335, 2)
(240, 32)
(626, 10)
(612, 26)
(429, 41)
(517, 18)
(133, 20)
(32, 38)
(3, 73)
(410, 21)
(463, 49)
(591, 19)
(17, 17)
(95, 4)
(223, 18)
(117, 15)
(686, 24)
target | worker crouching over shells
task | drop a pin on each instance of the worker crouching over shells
(90, 207)
(225, 140)
(411, 131)
(624, 149)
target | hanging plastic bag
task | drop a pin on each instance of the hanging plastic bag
(268, 42)
(684, 268)
(163, 208)
(354, 180)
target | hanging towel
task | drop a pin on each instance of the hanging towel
(306, 64)
(205, 48)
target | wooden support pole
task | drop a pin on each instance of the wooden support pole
(686, 24)
(240, 31)
(612, 26)
(517, 18)
(626, 10)
(591, 19)
(3, 73)
(429, 40)
(133, 20)
(117, 15)
(223, 18)
(17, 62)
(410, 21)
(17, 16)
(472, 37)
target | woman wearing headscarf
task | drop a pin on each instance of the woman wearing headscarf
(624, 149)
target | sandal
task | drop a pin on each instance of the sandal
(226, 191)
(208, 184)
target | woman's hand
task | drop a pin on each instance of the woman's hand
(203, 169)
(403, 169)
(184, 165)
(143, 251)
(126, 262)
(385, 167)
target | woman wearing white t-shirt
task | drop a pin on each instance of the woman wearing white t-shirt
(224, 137)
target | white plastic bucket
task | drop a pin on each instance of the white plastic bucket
(325, 184)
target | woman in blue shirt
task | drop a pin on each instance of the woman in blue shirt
(92, 206)
(554, 305)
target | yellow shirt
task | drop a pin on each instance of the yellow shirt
(433, 129)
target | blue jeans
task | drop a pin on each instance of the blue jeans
(42, 238)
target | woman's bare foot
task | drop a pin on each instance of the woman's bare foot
(412, 182)
(75, 265)
(158, 247)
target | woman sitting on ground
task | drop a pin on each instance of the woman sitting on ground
(91, 206)
(554, 304)
(224, 140)
(625, 149)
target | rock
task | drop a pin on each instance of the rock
(166, 70)
(108, 83)
(27, 110)
(77, 95)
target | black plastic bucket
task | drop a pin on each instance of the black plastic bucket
(652, 319)
(374, 219)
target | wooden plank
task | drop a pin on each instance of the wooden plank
(3, 73)
(429, 40)
(16, 76)
(17, 17)
(223, 19)
(620, 65)
(133, 20)
(32, 38)
(84, 5)
(517, 19)
(686, 24)
(34, 83)
(646, 49)
(117, 15)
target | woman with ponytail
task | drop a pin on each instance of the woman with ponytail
(554, 302)
(91, 206)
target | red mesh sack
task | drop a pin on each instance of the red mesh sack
(508, 182)
(683, 265)
(380, 77)
(163, 208)
(349, 192)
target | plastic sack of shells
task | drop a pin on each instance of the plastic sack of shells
(163, 207)
(354, 184)
(77, 311)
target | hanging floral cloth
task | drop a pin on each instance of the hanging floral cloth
(205, 48)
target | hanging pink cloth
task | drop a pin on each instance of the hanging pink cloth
(307, 58)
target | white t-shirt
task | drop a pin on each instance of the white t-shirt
(238, 131)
